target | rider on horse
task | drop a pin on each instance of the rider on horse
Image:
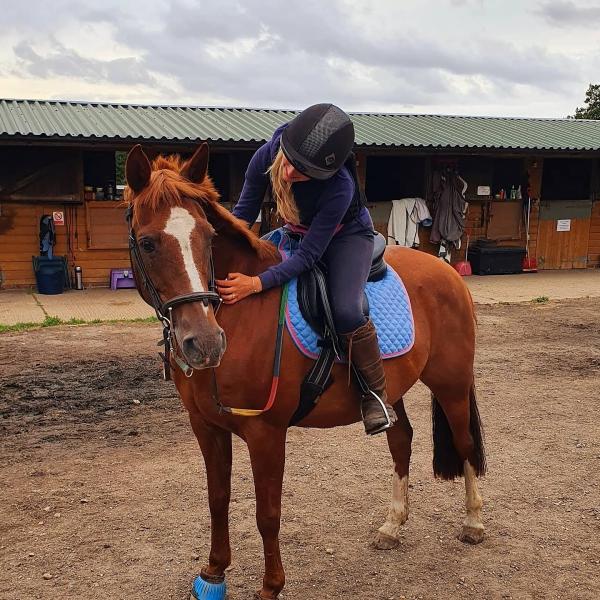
(305, 166)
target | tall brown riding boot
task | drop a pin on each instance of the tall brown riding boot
(362, 349)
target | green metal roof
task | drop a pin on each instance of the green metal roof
(125, 122)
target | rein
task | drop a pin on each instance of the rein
(163, 309)
(255, 412)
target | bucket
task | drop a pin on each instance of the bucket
(529, 265)
(50, 278)
(463, 267)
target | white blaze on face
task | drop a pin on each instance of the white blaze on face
(180, 225)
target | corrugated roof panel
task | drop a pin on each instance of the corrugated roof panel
(37, 118)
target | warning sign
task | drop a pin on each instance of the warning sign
(58, 216)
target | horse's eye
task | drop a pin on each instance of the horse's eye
(147, 245)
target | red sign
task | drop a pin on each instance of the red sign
(58, 216)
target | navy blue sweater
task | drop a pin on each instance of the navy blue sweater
(321, 204)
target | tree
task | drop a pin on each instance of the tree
(592, 100)
(120, 158)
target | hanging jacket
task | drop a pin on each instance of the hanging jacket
(406, 216)
(449, 207)
(47, 236)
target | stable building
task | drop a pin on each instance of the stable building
(530, 182)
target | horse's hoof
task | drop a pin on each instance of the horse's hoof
(471, 535)
(204, 590)
(383, 541)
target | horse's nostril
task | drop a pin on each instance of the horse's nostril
(190, 346)
(223, 340)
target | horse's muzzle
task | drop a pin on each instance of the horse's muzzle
(204, 351)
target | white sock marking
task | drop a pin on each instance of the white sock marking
(398, 513)
(473, 501)
(180, 225)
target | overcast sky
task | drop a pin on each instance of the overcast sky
(480, 57)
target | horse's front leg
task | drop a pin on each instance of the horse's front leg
(267, 454)
(215, 444)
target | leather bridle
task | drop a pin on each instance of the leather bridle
(164, 310)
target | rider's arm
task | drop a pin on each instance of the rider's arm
(255, 185)
(334, 204)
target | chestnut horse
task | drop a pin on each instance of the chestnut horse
(181, 231)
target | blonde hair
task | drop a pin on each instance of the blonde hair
(282, 192)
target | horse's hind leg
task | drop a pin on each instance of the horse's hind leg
(399, 441)
(458, 450)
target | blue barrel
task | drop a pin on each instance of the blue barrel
(50, 277)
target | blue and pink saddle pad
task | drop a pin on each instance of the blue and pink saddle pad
(389, 309)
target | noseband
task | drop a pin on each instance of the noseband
(164, 310)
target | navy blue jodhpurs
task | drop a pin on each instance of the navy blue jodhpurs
(348, 259)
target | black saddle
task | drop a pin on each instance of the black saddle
(378, 265)
(315, 307)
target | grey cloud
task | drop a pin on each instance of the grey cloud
(291, 63)
(36, 15)
(225, 20)
(66, 62)
(564, 13)
(303, 52)
(467, 2)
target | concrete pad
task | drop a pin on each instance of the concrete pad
(19, 306)
(96, 303)
(106, 304)
(555, 285)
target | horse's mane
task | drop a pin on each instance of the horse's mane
(168, 188)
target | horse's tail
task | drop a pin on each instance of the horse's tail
(447, 464)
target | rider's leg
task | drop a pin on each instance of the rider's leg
(348, 260)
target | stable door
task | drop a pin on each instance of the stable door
(563, 234)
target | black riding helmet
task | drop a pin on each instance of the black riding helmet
(319, 140)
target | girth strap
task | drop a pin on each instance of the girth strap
(315, 383)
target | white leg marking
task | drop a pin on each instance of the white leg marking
(180, 225)
(473, 501)
(398, 513)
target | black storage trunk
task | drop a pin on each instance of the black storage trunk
(494, 260)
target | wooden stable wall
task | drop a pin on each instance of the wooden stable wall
(54, 181)
(579, 246)
(19, 241)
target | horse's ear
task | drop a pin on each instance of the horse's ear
(195, 168)
(137, 169)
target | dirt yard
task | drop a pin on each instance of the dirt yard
(103, 493)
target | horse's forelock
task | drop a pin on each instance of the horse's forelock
(167, 188)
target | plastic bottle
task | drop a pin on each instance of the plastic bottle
(513, 193)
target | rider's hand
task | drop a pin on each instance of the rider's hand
(237, 286)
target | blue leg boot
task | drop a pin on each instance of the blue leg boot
(203, 589)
